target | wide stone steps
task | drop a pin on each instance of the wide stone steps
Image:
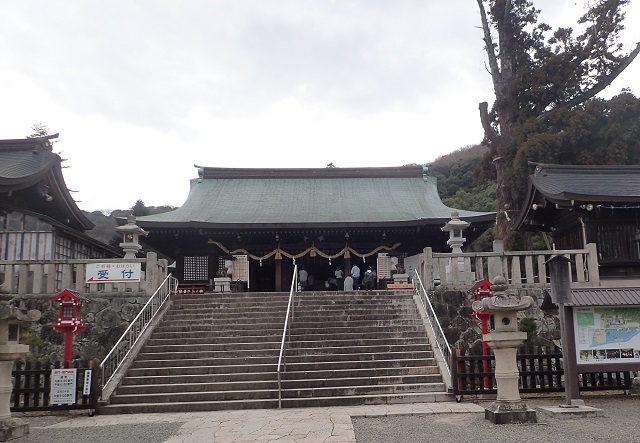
(220, 351)
(291, 359)
(371, 399)
(320, 352)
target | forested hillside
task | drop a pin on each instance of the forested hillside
(105, 229)
(457, 185)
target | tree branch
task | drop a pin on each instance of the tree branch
(595, 89)
(491, 133)
(488, 42)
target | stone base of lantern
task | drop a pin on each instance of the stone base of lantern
(12, 427)
(502, 412)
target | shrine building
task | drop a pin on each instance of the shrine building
(256, 224)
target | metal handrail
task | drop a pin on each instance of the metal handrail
(440, 338)
(282, 360)
(112, 362)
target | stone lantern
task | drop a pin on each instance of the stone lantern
(130, 237)
(454, 227)
(10, 350)
(504, 339)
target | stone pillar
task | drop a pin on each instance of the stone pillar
(504, 340)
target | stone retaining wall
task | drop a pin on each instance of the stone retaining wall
(105, 316)
(453, 309)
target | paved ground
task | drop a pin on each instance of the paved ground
(411, 423)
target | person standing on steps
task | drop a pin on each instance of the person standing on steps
(348, 283)
(369, 279)
(355, 274)
(339, 278)
(303, 275)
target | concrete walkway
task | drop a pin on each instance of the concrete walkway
(308, 425)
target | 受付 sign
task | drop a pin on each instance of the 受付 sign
(113, 272)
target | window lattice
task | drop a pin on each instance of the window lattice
(196, 268)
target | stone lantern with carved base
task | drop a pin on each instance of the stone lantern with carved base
(10, 350)
(504, 340)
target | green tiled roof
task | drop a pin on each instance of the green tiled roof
(362, 196)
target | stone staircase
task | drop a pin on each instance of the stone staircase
(220, 351)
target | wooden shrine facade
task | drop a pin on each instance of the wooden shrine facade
(579, 205)
(261, 222)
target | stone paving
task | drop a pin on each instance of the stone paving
(308, 425)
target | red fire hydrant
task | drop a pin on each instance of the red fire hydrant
(69, 318)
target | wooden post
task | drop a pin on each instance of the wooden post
(594, 271)
(278, 275)
(561, 294)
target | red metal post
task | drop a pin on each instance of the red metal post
(68, 346)
(480, 290)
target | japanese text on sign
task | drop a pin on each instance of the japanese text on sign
(63, 386)
(86, 390)
(113, 272)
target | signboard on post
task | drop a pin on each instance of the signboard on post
(120, 272)
(86, 390)
(63, 387)
(607, 334)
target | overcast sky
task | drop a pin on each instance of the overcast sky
(140, 91)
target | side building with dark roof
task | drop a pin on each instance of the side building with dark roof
(262, 221)
(39, 219)
(579, 205)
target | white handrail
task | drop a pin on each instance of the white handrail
(112, 362)
(440, 338)
(285, 333)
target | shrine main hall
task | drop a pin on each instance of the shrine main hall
(256, 224)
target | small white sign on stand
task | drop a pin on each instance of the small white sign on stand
(63, 386)
(86, 390)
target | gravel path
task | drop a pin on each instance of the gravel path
(619, 424)
(121, 433)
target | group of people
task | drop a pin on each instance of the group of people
(340, 282)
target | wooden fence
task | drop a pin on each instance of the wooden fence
(540, 371)
(32, 386)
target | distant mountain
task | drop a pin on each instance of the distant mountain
(105, 229)
(455, 171)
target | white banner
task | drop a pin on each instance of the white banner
(113, 272)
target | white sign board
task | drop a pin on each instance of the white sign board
(63, 387)
(607, 334)
(86, 390)
(113, 272)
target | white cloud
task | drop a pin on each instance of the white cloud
(140, 91)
